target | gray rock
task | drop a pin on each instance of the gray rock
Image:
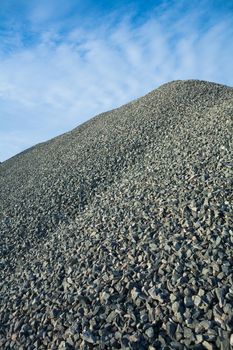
(197, 300)
(171, 328)
(207, 345)
(135, 293)
(157, 294)
(176, 307)
(18, 325)
(188, 333)
(199, 338)
(54, 313)
(176, 345)
(220, 295)
(149, 332)
(64, 346)
(173, 297)
(88, 337)
(188, 301)
(231, 339)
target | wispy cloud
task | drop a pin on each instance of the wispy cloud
(67, 76)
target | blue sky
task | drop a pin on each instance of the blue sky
(64, 61)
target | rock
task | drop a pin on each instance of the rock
(199, 338)
(111, 316)
(54, 313)
(179, 333)
(202, 326)
(223, 341)
(64, 346)
(153, 246)
(157, 294)
(188, 301)
(176, 345)
(188, 333)
(150, 332)
(18, 325)
(88, 337)
(220, 295)
(201, 292)
(173, 297)
(218, 241)
(207, 345)
(135, 293)
(197, 300)
(177, 246)
(231, 339)
(176, 307)
(152, 292)
(118, 335)
(171, 329)
(13, 337)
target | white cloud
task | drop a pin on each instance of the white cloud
(65, 79)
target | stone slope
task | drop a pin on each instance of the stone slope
(118, 233)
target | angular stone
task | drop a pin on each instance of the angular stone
(18, 325)
(157, 295)
(173, 297)
(176, 345)
(64, 346)
(171, 328)
(197, 300)
(207, 345)
(231, 339)
(111, 316)
(153, 247)
(88, 337)
(188, 333)
(150, 332)
(199, 338)
(176, 307)
(188, 302)
(135, 293)
(220, 295)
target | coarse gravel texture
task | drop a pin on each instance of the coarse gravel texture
(118, 234)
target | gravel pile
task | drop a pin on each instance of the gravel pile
(118, 234)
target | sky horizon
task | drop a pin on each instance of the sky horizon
(63, 62)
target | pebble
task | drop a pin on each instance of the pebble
(199, 338)
(150, 332)
(197, 300)
(220, 296)
(63, 346)
(187, 332)
(88, 337)
(171, 329)
(18, 325)
(173, 297)
(176, 307)
(188, 302)
(207, 345)
(231, 339)
(135, 293)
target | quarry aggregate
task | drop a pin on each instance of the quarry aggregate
(118, 234)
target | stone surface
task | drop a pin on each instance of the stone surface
(207, 345)
(231, 339)
(150, 332)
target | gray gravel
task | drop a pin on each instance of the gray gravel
(118, 234)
